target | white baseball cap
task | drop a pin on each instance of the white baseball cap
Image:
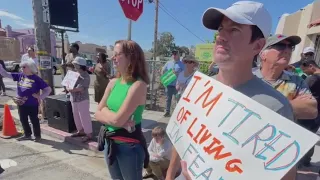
(80, 61)
(242, 12)
(308, 50)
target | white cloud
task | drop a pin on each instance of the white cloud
(24, 24)
(10, 15)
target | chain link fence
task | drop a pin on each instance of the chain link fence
(156, 97)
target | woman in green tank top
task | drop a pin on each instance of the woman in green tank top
(121, 109)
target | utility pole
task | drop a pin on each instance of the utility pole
(155, 40)
(43, 43)
(129, 29)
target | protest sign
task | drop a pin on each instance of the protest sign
(45, 62)
(168, 77)
(69, 81)
(225, 135)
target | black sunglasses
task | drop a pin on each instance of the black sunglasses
(188, 62)
(282, 46)
(309, 54)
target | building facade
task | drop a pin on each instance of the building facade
(26, 38)
(90, 51)
(304, 23)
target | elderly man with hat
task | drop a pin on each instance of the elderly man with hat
(177, 66)
(274, 58)
(184, 77)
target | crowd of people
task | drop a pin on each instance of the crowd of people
(248, 59)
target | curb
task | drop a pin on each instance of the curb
(66, 137)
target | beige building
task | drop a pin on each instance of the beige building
(90, 51)
(59, 45)
(304, 23)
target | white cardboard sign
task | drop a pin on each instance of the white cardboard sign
(69, 81)
(225, 135)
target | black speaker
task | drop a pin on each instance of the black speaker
(59, 113)
(64, 13)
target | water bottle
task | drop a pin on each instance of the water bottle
(129, 128)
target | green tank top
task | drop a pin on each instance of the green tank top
(117, 97)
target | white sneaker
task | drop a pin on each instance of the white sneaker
(3, 94)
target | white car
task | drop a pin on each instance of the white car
(14, 66)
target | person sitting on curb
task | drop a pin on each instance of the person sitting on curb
(160, 151)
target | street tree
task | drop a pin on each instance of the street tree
(183, 49)
(165, 44)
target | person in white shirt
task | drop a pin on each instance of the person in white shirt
(184, 77)
(30, 55)
(160, 152)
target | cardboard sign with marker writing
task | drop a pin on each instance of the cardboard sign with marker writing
(70, 80)
(225, 135)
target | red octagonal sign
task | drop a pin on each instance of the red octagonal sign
(132, 8)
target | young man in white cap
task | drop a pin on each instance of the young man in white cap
(307, 53)
(243, 29)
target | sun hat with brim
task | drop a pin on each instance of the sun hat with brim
(190, 58)
(272, 40)
(242, 12)
(79, 61)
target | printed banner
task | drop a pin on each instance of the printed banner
(204, 52)
(225, 135)
(167, 78)
(69, 81)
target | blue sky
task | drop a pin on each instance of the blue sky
(103, 22)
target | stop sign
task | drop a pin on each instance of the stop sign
(132, 8)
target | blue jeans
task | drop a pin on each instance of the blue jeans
(128, 164)
(170, 92)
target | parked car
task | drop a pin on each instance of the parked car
(56, 65)
(90, 66)
(14, 66)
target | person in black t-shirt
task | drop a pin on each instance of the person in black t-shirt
(311, 68)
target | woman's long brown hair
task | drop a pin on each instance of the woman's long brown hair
(137, 68)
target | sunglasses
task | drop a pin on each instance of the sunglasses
(282, 46)
(309, 54)
(23, 67)
(188, 62)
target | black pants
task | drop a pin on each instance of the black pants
(2, 87)
(312, 126)
(32, 113)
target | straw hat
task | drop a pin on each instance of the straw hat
(190, 58)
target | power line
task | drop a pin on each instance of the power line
(165, 10)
